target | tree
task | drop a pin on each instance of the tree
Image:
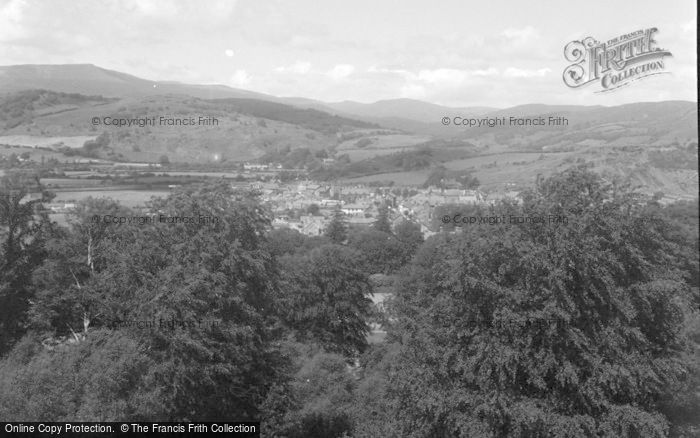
(313, 209)
(24, 228)
(201, 292)
(454, 213)
(410, 235)
(92, 147)
(285, 241)
(381, 252)
(337, 230)
(164, 160)
(540, 330)
(104, 378)
(324, 298)
(73, 257)
(382, 223)
(317, 400)
(467, 181)
(436, 178)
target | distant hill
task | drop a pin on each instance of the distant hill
(408, 109)
(308, 118)
(652, 144)
(658, 120)
(246, 129)
(89, 79)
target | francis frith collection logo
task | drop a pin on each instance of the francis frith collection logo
(614, 63)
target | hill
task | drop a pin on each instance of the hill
(653, 144)
(406, 109)
(244, 129)
(88, 79)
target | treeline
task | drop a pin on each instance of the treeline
(298, 158)
(679, 158)
(396, 162)
(308, 118)
(578, 330)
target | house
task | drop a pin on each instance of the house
(426, 230)
(353, 209)
(471, 197)
(509, 195)
(452, 193)
(330, 202)
(398, 220)
(60, 207)
(312, 225)
(136, 165)
(281, 222)
(360, 222)
(249, 166)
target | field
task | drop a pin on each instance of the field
(128, 198)
(34, 154)
(416, 177)
(71, 183)
(33, 140)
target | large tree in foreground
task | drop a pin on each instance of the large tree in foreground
(23, 231)
(567, 329)
(324, 298)
(195, 297)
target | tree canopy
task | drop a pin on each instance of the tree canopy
(582, 323)
(571, 330)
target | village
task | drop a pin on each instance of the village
(308, 206)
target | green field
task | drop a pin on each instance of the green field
(415, 177)
(128, 198)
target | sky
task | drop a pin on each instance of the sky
(456, 53)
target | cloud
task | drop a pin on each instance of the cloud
(359, 51)
(47, 25)
(299, 67)
(513, 72)
(340, 71)
(690, 27)
(521, 37)
(240, 78)
(11, 15)
(413, 91)
(442, 76)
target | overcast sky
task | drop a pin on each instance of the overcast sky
(457, 53)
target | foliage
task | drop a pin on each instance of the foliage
(308, 118)
(200, 293)
(313, 209)
(381, 252)
(583, 328)
(440, 177)
(23, 231)
(543, 329)
(400, 161)
(382, 223)
(410, 235)
(21, 107)
(105, 378)
(337, 229)
(323, 298)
